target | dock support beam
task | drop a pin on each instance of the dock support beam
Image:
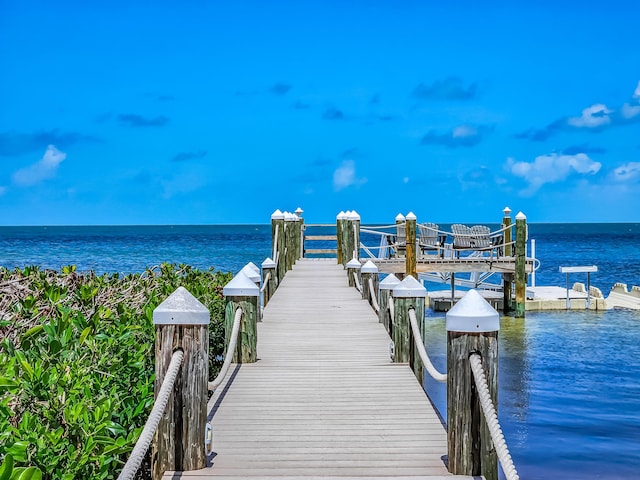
(408, 294)
(507, 278)
(411, 257)
(521, 275)
(384, 315)
(277, 242)
(472, 327)
(242, 293)
(181, 322)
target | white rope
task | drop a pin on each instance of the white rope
(160, 404)
(357, 281)
(374, 297)
(426, 361)
(230, 349)
(265, 282)
(375, 228)
(391, 309)
(275, 243)
(491, 418)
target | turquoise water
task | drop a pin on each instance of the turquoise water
(569, 383)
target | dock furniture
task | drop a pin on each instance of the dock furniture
(431, 239)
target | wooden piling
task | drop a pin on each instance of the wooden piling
(277, 242)
(268, 276)
(369, 274)
(521, 275)
(384, 296)
(472, 327)
(242, 293)
(507, 278)
(411, 258)
(347, 239)
(339, 239)
(181, 322)
(400, 249)
(353, 270)
(408, 294)
(290, 235)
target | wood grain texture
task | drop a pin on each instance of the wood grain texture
(246, 347)
(323, 399)
(521, 275)
(411, 256)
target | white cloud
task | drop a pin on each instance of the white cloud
(42, 170)
(627, 172)
(594, 116)
(464, 131)
(552, 168)
(630, 111)
(636, 94)
(345, 176)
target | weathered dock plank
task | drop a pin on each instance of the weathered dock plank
(323, 400)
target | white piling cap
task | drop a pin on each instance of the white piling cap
(181, 308)
(277, 215)
(299, 211)
(399, 218)
(409, 287)
(389, 283)
(268, 263)
(369, 267)
(253, 266)
(472, 314)
(340, 216)
(241, 286)
(354, 263)
(251, 273)
(521, 216)
(506, 211)
(353, 215)
(410, 216)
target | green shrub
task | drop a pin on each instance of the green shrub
(76, 363)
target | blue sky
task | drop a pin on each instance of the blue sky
(200, 112)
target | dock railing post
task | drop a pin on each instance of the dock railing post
(290, 248)
(400, 249)
(300, 240)
(507, 278)
(347, 239)
(353, 270)
(411, 258)
(521, 275)
(269, 279)
(242, 293)
(181, 322)
(472, 327)
(385, 288)
(408, 294)
(369, 273)
(277, 241)
(355, 219)
(339, 239)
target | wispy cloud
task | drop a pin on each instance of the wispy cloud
(42, 170)
(185, 156)
(551, 168)
(451, 88)
(332, 113)
(134, 120)
(629, 172)
(14, 144)
(345, 176)
(280, 88)
(460, 136)
(584, 148)
(594, 118)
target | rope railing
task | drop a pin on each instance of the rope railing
(374, 297)
(376, 228)
(275, 245)
(265, 282)
(230, 349)
(426, 361)
(356, 281)
(491, 417)
(391, 309)
(160, 404)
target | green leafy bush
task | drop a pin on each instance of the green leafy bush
(76, 364)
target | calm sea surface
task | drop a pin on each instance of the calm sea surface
(569, 399)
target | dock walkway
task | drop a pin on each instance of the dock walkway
(323, 400)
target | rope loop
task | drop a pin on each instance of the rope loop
(426, 361)
(230, 349)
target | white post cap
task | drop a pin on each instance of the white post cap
(241, 286)
(354, 263)
(506, 211)
(389, 283)
(409, 288)
(472, 314)
(277, 215)
(369, 267)
(354, 215)
(340, 216)
(268, 263)
(410, 216)
(521, 216)
(253, 266)
(251, 273)
(181, 308)
(299, 211)
(400, 218)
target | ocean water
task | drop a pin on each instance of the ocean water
(569, 382)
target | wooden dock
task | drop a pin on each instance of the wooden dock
(323, 400)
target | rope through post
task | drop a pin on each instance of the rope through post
(491, 417)
(230, 349)
(374, 297)
(159, 406)
(419, 342)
